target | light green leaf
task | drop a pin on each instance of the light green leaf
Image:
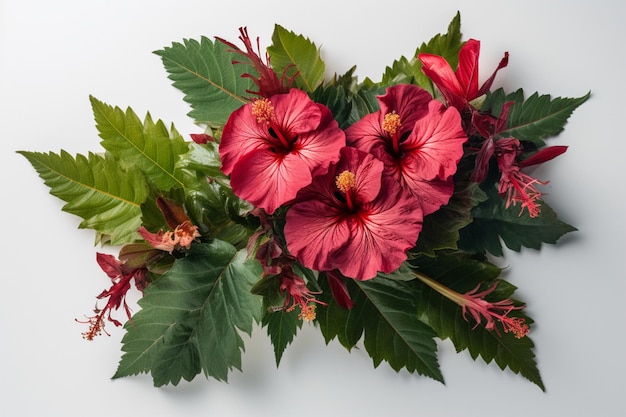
(205, 73)
(146, 146)
(96, 189)
(191, 316)
(291, 54)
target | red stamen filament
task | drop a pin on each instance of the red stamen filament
(391, 124)
(345, 182)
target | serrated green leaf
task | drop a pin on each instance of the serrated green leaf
(191, 316)
(365, 102)
(441, 229)
(409, 70)
(96, 189)
(282, 327)
(293, 54)
(494, 223)
(385, 310)
(337, 100)
(211, 203)
(205, 73)
(536, 118)
(462, 273)
(146, 146)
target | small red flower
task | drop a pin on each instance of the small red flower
(298, 295)
(474, 303)
(121, 277)
(515, 185)
(351, 213)
(461, 87)
(266, 81)
(182, 237)
(273, 147)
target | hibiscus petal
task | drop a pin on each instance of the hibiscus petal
(319, 148)
(467, 70)
(543, 155)
(339, 289)
(296, 112)
(487, 84)
(435, 146)
(409, 101)
(439, 71)
(269, 180)
(242, 134)
(314, 231)
(387, 228)
(432, 194)
(367, 170)
(366, 133)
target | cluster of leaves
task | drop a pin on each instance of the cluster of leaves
(199, 301)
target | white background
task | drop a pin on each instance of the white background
(54, 54)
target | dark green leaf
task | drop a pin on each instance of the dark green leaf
(536, 118)
(191, 316)
(205, 73)
(493, 224)
(462, 273)
(337, 100)
(293, 54)
(282, 327)
(365, 102)
(386, 311)
(97, 189)
(441, 228)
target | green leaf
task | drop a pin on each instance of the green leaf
(97, 189)
(282, 327)
(293, 54)
(536, 118)
(446, 45)
(462, 273)
(212, 205)
(146, 146)
(386, 311)
(191, 316)
(441, 229)
(337, 100)
(493, 224)
(205, 73)
(365, 102)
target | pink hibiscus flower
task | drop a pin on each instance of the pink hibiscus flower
(353, 219)
(272, 147)
(417, 138)
(460, 87)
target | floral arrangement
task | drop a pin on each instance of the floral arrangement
(371, 210)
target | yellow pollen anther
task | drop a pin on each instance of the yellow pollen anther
(345, 181)
(263, 110)
(308, 313)
(391, 123)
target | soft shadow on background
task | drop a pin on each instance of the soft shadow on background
(53, 55)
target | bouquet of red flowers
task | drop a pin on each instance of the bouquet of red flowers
(372, 210)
